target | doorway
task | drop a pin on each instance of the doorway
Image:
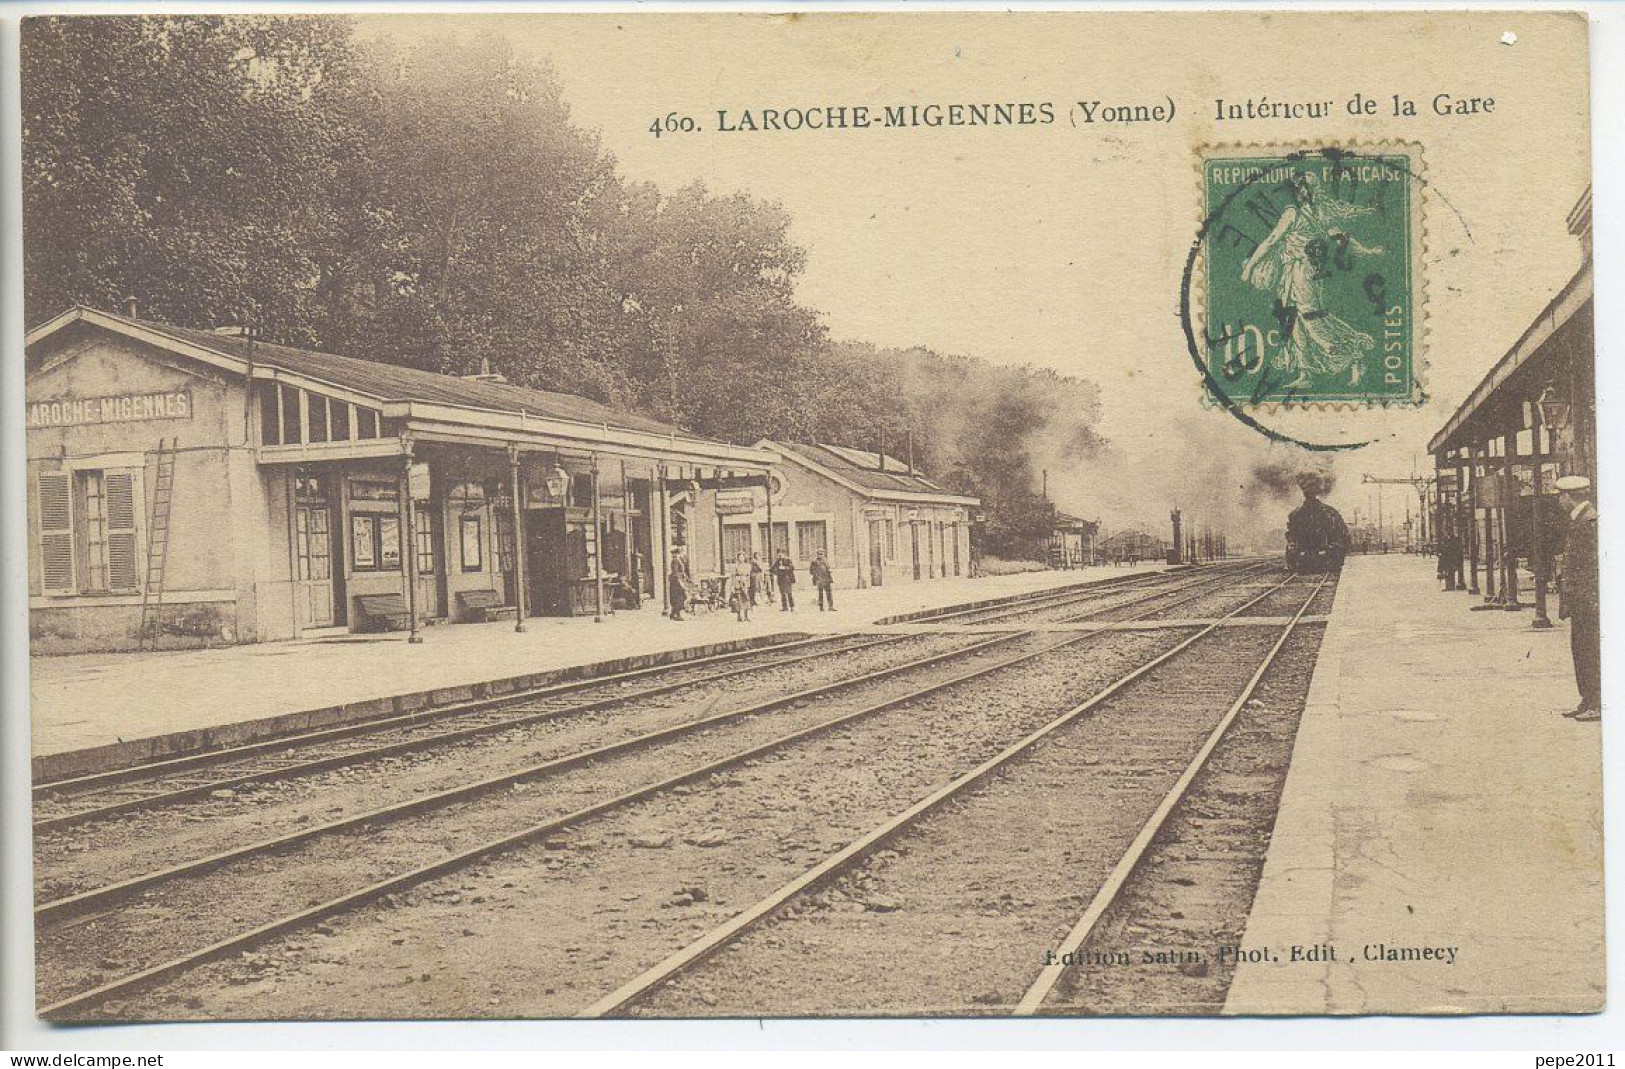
(316, 602)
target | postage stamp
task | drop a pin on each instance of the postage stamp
(1310, 282)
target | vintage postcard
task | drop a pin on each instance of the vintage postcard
(908, 514)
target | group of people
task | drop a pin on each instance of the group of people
(748, 582)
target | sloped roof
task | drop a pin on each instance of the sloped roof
(1067, 520)
(862, 468)
(391, 382)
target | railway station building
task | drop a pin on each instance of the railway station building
(1530, 421)
(190, 488)
(878, 520)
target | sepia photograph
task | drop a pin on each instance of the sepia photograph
(733, 515)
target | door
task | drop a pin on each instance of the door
(735, 543)
(313, 551)
(431, 571)
(877, 535)
(914, 540)
(546, 567)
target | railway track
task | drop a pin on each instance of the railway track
(104, 903)
(1091, 596)
(67, 803)
(659, 989)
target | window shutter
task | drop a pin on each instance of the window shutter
(56, 532)
(122, 562)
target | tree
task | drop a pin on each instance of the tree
(184, 160)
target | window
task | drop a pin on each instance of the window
(316, 416)
(94, 576)
(88, 532)
(341, 421)
(891, 540)
(366, 423)
(812, 538)
(780, 542)
(423, 534)
(291, 434)
(473, 543)
(735, 542)
(270, 412)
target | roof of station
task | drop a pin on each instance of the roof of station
(1065, 520)
(1520, 363)
(866, 472)
(387, 383)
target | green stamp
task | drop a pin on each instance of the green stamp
(1310, 273)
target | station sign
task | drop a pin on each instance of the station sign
(113, 408)
(735, 502)
(1491, 492)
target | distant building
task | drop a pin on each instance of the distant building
(1129, 547)
(879, 521)
(227, 490)
(1072, 543)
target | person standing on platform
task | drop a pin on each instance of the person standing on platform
(1449, 559)
(677, 584)
(824, 580)
(740, 594)
(758, 579)
(1579, 593)
(784, 573)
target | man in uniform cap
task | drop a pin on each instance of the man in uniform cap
(1579, 605)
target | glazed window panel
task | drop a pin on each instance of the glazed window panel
(89, 532)
(270, 406)
(366, 422)
(316, 416)
(291, 416)
(94, 531)
(423, 535)
(812, 538)
(780, 541)
(339, 417)
(735, 541)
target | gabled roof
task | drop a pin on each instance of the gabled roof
(1065, 520)
(385, 382)
(861, 471)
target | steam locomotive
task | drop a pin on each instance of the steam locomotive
(1317, 539)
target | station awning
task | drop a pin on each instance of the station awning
(1504, 389)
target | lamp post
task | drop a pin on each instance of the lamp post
(1537, 552)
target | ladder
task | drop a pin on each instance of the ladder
(152, 591)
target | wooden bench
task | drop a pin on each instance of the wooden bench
(382, 612)
(484, 606)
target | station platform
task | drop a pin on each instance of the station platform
(103, 706)
(1438, 799)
